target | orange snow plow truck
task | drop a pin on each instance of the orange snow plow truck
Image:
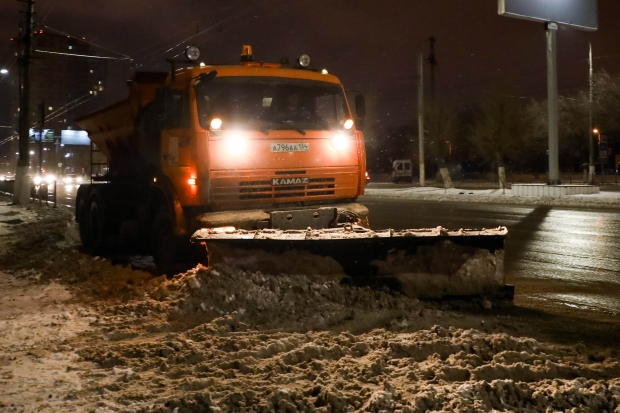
(223, 155)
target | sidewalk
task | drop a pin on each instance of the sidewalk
(602, 200)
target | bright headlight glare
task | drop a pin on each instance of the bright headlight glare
(216, 123)
(348, 124)
(236, 144)
(50, 178)
(339, 142)
(78, 179)
(37, 180)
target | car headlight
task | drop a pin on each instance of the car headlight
(235, 144)
(50, 178)
(37, 180)
(79, 179)
(339, 142)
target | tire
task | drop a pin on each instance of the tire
(83, 215)
(99, 225)
(170, 252)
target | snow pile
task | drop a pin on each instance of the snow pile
(601, 200)
(292, 302)
(223, 366)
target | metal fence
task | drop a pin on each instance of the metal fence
(43, 192)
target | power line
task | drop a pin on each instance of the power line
(138, 52)
(84, 55)
(85, 41)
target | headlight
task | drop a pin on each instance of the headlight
(78, 179)
(37, 180)
(50, 178)
(303, 60)
(216, 123)
(339, 142)
(192, 52)
(235, 144)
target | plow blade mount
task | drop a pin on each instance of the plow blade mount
(430, 263)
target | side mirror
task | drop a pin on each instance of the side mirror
(204, 79)
(360, 106)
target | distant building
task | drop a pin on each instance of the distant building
(68, 86)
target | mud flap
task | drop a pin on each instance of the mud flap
(423, 263)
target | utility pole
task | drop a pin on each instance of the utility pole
(590, 134)
(552, 98)
(42, 125)
(421, 117)
(433, 62)
(21, 193)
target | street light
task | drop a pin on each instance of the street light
(4, 71)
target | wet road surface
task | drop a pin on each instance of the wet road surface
(560, 260)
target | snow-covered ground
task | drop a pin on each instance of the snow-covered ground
(87, 334)
(604, 199)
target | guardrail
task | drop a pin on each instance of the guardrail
(7, 187)
(41, 191)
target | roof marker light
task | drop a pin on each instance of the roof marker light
(246, 53)
(324, 72)
(348, 124)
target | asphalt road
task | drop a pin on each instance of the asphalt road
(560, 260)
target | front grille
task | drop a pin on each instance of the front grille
(261, 189)
(290, 172)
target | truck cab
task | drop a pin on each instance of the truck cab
(254, 145)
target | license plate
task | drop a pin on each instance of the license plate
(300, 180)
(289, 147)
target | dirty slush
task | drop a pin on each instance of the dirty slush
(84, 333)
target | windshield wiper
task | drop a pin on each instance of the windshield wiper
(288, 123)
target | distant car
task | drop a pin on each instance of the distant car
(72, 179)
(402, 171)
(45, 179)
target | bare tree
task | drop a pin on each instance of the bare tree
(441, 131)
(497, 133)
(606, 105)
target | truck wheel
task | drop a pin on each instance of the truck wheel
(83, 214)
(98, 230)
(169, 250)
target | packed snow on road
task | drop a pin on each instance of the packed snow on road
(87, 333)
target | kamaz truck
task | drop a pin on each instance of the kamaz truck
(260, 165)
(254, 145)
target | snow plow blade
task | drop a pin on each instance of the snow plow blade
(423, 263)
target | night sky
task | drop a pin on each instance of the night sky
(371, 45)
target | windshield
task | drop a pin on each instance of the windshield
(270, 103)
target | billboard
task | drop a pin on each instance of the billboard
(47, 135)
(74, 137)
(581, 14)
